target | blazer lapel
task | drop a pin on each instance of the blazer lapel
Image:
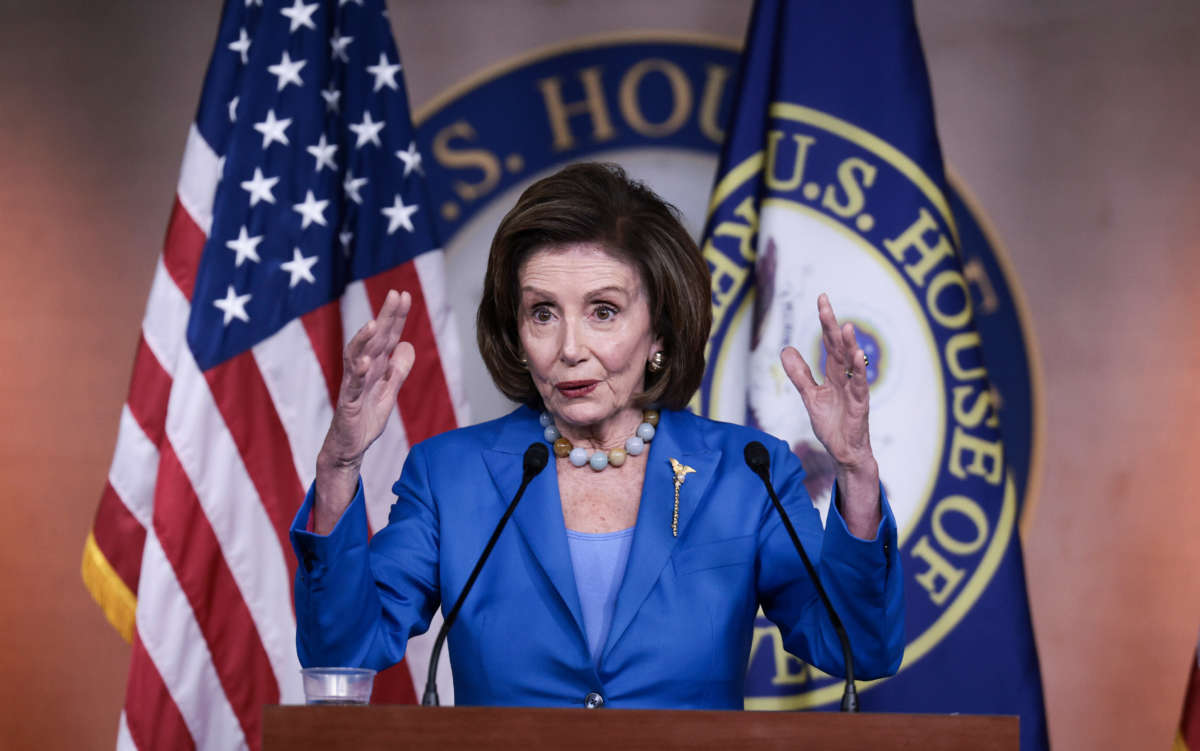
(539, 514)
(653, 541)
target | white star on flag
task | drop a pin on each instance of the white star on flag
(331, 97)
(351, 185)
(384, 72)
(300, 268)
(233, 103)
(356, 2)
(300, 15)
(399, 215)
(337, 46)
(312, 210)
(367, 131)
(273, 130)
(245, 247)
(260, 187)
(411, 158)
(233, 306)
(242, 46)
(345, 238)
(324, 151)
(287, 71)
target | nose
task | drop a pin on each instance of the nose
(573, 347)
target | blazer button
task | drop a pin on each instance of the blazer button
(593, 701)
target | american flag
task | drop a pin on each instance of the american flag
(300, 202)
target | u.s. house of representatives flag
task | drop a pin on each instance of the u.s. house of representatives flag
(831, 180)
(301, 201)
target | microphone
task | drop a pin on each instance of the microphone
(536, 457)
(759, 462)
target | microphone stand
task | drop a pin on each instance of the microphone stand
(759, 462)
(536, 457)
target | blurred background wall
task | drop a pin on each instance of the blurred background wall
(1074, 123)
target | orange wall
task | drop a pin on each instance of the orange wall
(1074, 127)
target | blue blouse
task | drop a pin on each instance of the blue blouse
(599, 564)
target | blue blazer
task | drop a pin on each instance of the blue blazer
(684, 617)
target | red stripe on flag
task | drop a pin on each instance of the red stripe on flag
(182, 248)
(191, 546)
(395, 685)
(120, 536)
(245, 404)
(149, 391)
(424, 400)
(153, 719)
(324, 327)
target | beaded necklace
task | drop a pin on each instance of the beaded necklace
(599, 459)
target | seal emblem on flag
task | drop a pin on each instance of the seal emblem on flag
(890, 266)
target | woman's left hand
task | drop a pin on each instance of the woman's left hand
(838, 410)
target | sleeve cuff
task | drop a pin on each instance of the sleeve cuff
(866, 554)
(313, 550)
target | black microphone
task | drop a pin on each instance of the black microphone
(759, 462)
(536, 457)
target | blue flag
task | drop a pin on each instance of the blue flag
(831, 180)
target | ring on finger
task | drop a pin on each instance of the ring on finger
(849, 373)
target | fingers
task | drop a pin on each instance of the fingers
(830, 333)
(399, 366)
(373, 346)
(389, 324)
(797, 371)
(857, 382)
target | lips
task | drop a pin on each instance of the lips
(575, 389)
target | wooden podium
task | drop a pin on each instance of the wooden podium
(330, 728)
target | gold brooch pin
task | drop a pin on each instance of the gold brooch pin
(681, 472)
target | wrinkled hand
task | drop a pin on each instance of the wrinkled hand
(374, 367)
(838, 410)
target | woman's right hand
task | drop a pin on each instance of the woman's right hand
(375, 365)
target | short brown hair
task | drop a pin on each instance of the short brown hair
(590, 202)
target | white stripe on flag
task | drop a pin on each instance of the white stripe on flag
(294, 379)
(431, 270)
(198, 177)
(174, 643)
(164, 326)
(134, 469)
(247, 537)
(124, 739)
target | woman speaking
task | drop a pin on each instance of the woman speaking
(633, 571)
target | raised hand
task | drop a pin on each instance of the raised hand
(375, 366)
(838, 410)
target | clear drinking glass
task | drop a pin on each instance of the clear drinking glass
(337, 685)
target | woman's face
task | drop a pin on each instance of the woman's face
(584, 322)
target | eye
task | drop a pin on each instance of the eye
(605, 312)
(541, 313)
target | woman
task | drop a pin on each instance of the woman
(636, 567)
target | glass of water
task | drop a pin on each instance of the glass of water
(337, 685)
